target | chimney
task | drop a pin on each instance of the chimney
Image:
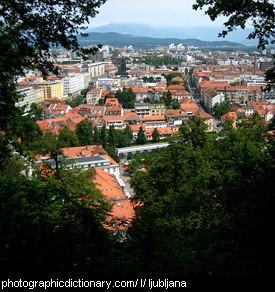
(83, 152)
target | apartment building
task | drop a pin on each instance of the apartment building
(96, 69)
(141, 93)
(93, 96)
(210, 97)
(142, 109)
(73, 84)
(116, 121)
(176, 118)
(39, 93)
(53, 89)
(84, 157)
(157, 109)
(28, 97)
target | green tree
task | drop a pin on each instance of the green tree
(84, 132)
(167, 98)
(155, 135)
(194, 132)
(14, 166)
(141, 138)
(27, 31)
(103, 136)
(271, 126)
(122, 140)
(240, 15)
(175, 105)
(112, 153)
(49, 145)
(170, 76)
(54, 226)
(128, 133)
(76, 101)
(67, 137)
(36, 112)
(124, 137)
(126, 97)
(200, 209)
(112, 136)
(220, 109)
(23, 132)
(96, 135)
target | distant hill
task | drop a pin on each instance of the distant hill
(119, 40)
(204, 33)
(136, 29)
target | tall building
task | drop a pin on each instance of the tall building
(53, 89)
(28, 97)
(96, 69)
(255, 63)
(120, 63)
(73, 84)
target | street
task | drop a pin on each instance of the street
(126, 178)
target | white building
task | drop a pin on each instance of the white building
(28, 97)
(96, 69)
(93, 96)
(180, 47)
(142, 109)
(252, 80)
(172, 47)
(210, 97)
(132, 150)
(249, 110)
(73, 84)
(84, 161)
(111, 84)
(188, 58)
(116, 121)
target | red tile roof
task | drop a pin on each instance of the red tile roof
(122, 208)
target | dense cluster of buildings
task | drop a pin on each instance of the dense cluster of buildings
(215, 77)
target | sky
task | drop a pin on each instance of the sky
(156, 13)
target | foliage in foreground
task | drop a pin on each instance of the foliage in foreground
(206, 208)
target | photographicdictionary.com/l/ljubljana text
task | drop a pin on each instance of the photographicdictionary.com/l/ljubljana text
(81, 283)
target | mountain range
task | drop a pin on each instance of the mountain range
(115, 39)
(207, 34)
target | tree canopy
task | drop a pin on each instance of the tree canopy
(204, 206)
(51, 227)
(28, 29)
(126, 97)
(241, 13)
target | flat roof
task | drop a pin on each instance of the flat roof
(75, 160)
(141, 147)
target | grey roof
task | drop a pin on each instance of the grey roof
(76, 160)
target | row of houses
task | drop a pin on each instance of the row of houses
(216, 83)
(147, 116)
(265, 110)
(217, 91)
(142, 93)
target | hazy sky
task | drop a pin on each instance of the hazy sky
(160, 13)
